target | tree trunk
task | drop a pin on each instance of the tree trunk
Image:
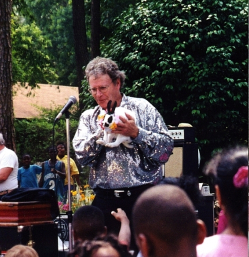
(80, 42)
(6, 98)
(95, 28)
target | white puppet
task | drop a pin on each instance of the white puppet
(108, 121)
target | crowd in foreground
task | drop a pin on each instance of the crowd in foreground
(165, 221)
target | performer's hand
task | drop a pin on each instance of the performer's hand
(127, 127)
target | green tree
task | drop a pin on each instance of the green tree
(35, 135)
(31, 62)
(54, 19)
(189, 59)
(6, 103)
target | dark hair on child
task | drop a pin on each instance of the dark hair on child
(189, 184)
(223, 167)
(61, 143)
(89, 247)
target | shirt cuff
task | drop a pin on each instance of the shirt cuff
(142, 136)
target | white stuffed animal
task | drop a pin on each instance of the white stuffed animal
(108, 122)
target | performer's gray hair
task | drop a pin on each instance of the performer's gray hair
(2, 141)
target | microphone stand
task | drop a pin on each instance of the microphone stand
(69, 212)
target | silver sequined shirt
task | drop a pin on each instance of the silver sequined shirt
(123, 167)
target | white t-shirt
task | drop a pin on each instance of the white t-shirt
(8, 158)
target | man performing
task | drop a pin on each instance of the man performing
(120, 174)
(8, 169)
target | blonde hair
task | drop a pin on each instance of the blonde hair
(21, 251)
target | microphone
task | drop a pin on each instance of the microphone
(72, 100)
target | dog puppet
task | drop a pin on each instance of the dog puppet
(108, 121)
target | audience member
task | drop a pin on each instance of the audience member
(8, 169)
(229, 169)
(53, 174)
(165, 223)
(107, 246)
(27, 174)
(21, 251)
(89, 222)
(74, 172)
(190, 186)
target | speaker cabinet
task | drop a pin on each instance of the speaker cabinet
(183, 161)
(206, 213)
(44, 238)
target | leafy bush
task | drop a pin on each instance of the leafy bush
(34, 136)
(189, 59)
(30, 59)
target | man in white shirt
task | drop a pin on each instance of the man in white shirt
(8, 168)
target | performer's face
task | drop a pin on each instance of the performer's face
(103, 90)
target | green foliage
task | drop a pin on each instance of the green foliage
(189, 59)
(34, 136)
(87, 99)
(30, 60)
(54, 18)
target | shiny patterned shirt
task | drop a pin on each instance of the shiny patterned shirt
(122, 167)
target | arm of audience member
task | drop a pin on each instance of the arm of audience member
(4, 173)
(77, 178)
(124, 236)
(62, 172)
(75, 172)
(19, 177)
(41, 181)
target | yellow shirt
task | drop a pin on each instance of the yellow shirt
(73, 168)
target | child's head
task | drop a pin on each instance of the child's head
(88, 222)
(229, 168)
(189, 184)
(61, 148)
(26, 160)
(106, 246)
(165, 222)
(52, 152)
(21, 251)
